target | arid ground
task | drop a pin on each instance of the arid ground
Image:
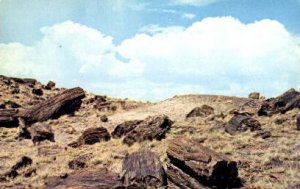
(58, 138)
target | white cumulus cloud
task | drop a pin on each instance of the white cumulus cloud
(215, 55)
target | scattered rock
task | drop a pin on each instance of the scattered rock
(38, 92)
(70, 130)
(251, 107)
(153, 127)
(2, 106)
(202, 111)
(65, 103)
(15, 91)
(23, 162)
(281, 104)
(40, 132)
(280, 120)
(79, 162)
(143, 169)
(104, 118)
(195, 166)
(263, 134)
(124, 128)
(298, 122)
(50, 85)
(29, 172)
(254, 95)
(241, 123)
(91, 136)
(91, 179)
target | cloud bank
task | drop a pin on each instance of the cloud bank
(194, 2)
(215, 55)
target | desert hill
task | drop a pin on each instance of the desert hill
(68, 138)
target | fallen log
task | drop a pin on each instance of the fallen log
(8, 118)
(195, 166)
(143, 169)
(101, 179)
(65, 103)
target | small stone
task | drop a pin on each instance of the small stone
(202, 111)
(254, 95)
(104, 118)
(263, 134)
(41, 131)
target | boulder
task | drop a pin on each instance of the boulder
(40, 131)
(281, 104)
(85, 179)
(64, 103)
(191, 165)
(254, 95)
(153, 127)
(202, 111)
(124, 128)
(143, 169)
(241, 123)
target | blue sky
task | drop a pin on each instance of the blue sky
(152, 50)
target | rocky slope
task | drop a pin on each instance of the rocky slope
(67, 138)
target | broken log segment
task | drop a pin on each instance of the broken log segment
(143, 169)
(241, 123)
(65, 103)
(92, 179)
(8, 118)
(153, 127)
(124, 128)
(205, 167)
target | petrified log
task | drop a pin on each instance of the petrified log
(65, 103)
(8, 118)
(40, 131)
(241, 123)
(151, 128)
(23, 162)
(143, 169)
(125, 127)
(202, 111)
(91, 136)
(195, 166)
(86, 179)
(281, 104)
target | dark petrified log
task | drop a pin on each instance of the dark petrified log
(86, 179)
(91, 136)
(202, 111)
(8, 118)
(195, 166)
(241, 123)
(125, 127)
(151, 128)
(143, 169)
(281, 104)
(65, 103)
